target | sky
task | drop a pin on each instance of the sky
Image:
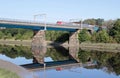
(60, 10)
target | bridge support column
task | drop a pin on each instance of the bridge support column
(73, 39)
(39, 38)
(74, 45)
(39, 46)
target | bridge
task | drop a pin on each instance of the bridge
(39, 43)
(39, 37)
(15, 23)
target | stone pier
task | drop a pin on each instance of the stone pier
(39, 38)
(39, 47)
(74, 45)
(73, 39)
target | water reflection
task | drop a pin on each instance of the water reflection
(107, 61)
(107, 64)
(16, 54)
(56, 53)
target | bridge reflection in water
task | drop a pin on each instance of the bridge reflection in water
(39, 53)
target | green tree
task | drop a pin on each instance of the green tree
(1, 35)
(27, 35)
(84, 36)
(102, 36)
(90, 21)
(115, 63)
(9, 36)
(57, 36)
(109, 23)
(93, 38)
(18, 36)
(99, 21)
(115, 31)
(84, 55)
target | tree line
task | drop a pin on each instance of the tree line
(109, 34)
(103, 59)
(27, 34)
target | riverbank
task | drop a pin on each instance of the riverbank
(17, 70)
(110, 47)
(28, 42)
(15, 42)
(8, 74)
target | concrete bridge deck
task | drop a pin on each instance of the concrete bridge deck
(10, 23)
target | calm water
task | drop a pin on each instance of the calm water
(94, 64)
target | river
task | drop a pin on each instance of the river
(59, 62)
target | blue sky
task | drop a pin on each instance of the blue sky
(60, 9)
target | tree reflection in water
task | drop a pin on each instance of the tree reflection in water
(108, 61)
(16, 51)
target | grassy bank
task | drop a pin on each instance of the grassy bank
(111, 47)
(7, 74)
(28, 42)
(114, 47)
(15, 42)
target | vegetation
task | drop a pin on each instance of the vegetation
(103, 59)
(84, 36)
(102, 36)
(7, 74)
(58, 54)
(15, 51)
(16, 34)
(57, 36)
(108, 34)
(26, 34)
(115, 31)
(93, 21)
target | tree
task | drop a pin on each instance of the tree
(90, 21)
(93, 38)
(1, 35)
(109, 23)
(84, 36)
(99, 21)
(102, 36)
(115, 31)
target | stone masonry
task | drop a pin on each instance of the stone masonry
(39, 39)
(74, 45)
(38, 47)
